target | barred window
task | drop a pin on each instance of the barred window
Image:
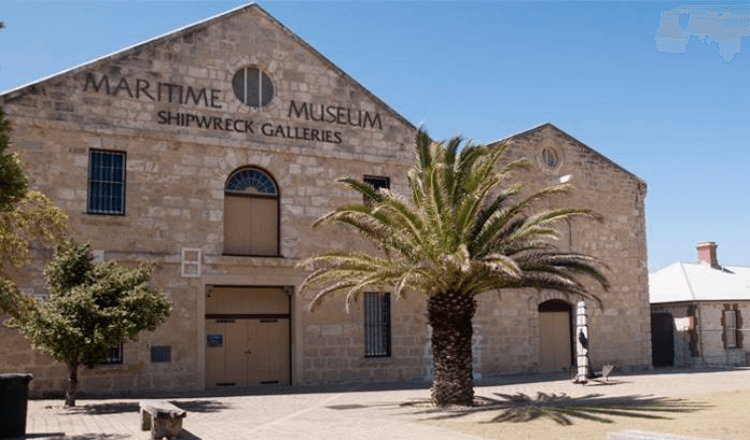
(106, 182)
(252, 87)
(377, 307)
(161, 353)
(114, 355)
(376, 182)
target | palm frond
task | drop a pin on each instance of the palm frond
(464, 228)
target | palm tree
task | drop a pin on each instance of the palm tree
(464, 232)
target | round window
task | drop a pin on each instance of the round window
(550, 158)
(252, 87)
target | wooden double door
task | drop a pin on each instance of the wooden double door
(555, 336)
(247, 336)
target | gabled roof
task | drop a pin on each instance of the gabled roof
(572, 139)
(186, 30)
(699, 282)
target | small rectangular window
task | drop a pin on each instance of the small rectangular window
(114, 355)
(377, 182)
(377, 307)
(161, 353)
(730, 328)
(106, 182)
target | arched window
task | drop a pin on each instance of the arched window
(251, 214)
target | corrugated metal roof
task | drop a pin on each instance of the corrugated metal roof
(699, 282)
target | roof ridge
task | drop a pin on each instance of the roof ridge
(12, 93)
(173, 33)
(577, 141)
(335, 67)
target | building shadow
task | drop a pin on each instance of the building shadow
(40, 435)
(561, 408)
(684, 370)
(619, 377)
(62, 436)
(187, 435)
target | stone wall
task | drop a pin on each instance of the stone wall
(174, 200)
(619, 331)
(710, 348)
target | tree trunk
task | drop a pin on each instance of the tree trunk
(70, 395)
(450, 316)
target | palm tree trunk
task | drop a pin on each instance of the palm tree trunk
(450, 316)
(70, 395)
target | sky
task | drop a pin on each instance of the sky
(485, 70)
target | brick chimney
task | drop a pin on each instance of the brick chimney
(707, 253)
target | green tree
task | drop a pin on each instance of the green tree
(91, 308)
(26, 216)
(13, 183)
(465, 231)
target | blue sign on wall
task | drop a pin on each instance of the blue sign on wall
(215, 339)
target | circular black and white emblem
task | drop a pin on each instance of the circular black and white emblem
(252, 87)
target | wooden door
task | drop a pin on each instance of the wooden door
(237, 233)
(554, 341)
(269, 344)
(215, 354)
(253, 324)
(264, 227)
(251, 226)
(236, 353)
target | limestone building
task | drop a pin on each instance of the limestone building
(210, 151)
(697, 312)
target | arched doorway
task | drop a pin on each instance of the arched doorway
(555, 336)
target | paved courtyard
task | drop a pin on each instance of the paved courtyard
(345, 412)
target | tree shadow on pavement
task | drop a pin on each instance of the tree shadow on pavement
(102, 408)
(562, 408)
(203, 405)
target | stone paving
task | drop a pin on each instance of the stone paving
(337, 412)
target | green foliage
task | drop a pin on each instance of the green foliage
(25, 216)
(91, 308)
(465, 229)
(13, 183)
(73, 266)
